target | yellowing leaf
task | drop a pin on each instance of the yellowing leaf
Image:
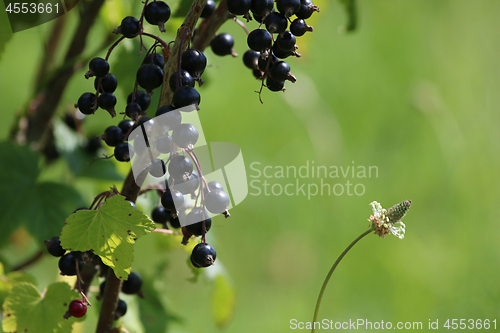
(25, 310)
(109, 232)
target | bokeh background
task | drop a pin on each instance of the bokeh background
(413, 91)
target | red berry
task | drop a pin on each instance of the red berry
(78, 308)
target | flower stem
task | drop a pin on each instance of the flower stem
(329, 275)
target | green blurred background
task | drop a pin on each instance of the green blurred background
(414, 91)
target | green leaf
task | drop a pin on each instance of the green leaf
(25, 310)
(223, 298)
(5, 31)
(352, 16)
(109, 232)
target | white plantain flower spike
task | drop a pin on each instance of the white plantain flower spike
(389, 220)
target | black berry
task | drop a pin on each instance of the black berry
(217, 201)
(113, 135)
(238, 7)
(157, 13)
(172, 200)
(286, 41)
(222, 44)
(86, 103)
(185, 80)
(67, 264)
(121, 309)
(184, 96)
(54, 247)
(193, 61)
(125, 125)
(185, 136)
(250, 59)
(108, 83)
(276, 22)
(157, 168)
(97, 67)
(281, 72)
(208, 10)
(261, 8)
(203, 255)
(274, 85)
(213, 186)
(133, 111)
(171, 117)
(124, 152)
(299, 27)
(149, 77)
(107, 101)
(160, 215)
(133, 284)
(155, 59)
(164, 143)
(129, 27)
(141, 98)
(288, 7)
(307, 8)
(180, 167)
(196, 218)
(259, 40)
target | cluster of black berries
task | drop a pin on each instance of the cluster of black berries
(265, 52)
(130, 286)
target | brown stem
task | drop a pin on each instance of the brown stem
(41, 119)
(29, 262)
(208, 27)
(109, 303)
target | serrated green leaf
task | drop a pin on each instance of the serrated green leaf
(352, 19)
(109, 232)
(223, 298)
(25, 310)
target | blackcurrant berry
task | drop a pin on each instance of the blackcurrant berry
(160, 215)
(276, 22)
(239, 7)
(133, 110)
(250, 59)
(185, 136)
(263, 63)
(299, 27)
(278, 52)
(155, 59)
(185, 80)
(54, 247)
(108, 83)
(203, 255)
(222, 44)
(257, 73)
(157, 168)
(113, 135)
(213, 186)
(190, 186)
(193, 263)
(261, 8)
(97, 67)
(125, 125)
(281, 72)
(121, 309)
(196, 218)
(184, 96)
(149, 77)
(133, 284)
(174, 222)
(286, 41)
(194, 61)
(259, 40)
(141, 98)
(86, 103)
(208, 10)
(157, 13)
(67, 264)
(171, 117)
(107, 101)
(180, 167)
(77, 308)
(93, 144)
(172, 200)
(124, 152)
(129, 27)
(217, 201)
(274, 85)
(164, 143)
(288, 7)
(307, 8)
